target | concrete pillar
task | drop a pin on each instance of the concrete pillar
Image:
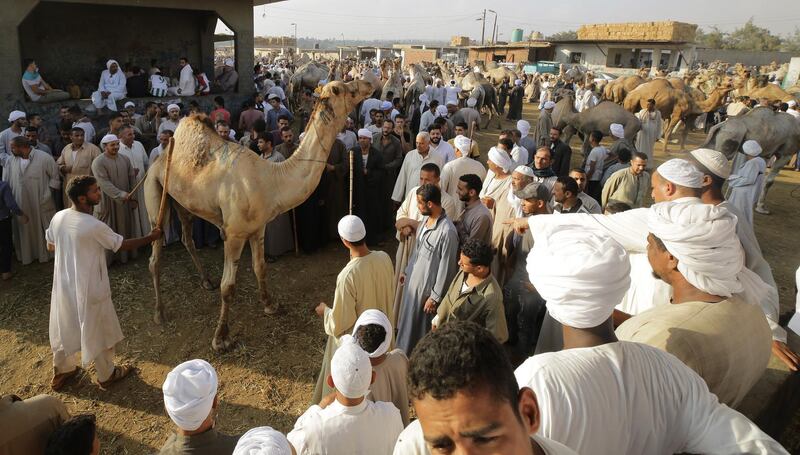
(238, 15)
(11, 70)
(206, 62)
(656, 57)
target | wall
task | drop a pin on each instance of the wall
(142, 36)
(411, 56)
(591, 56)
(236, 14)
(511, 55)
(751, 58)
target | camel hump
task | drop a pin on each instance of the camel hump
(198, 144)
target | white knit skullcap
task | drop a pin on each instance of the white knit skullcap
(681, 172)
(386, 105)
(351, 228)
(351, 369)
(173, 106)
(714, 161)
(108, 138)
(16, 115)
(524, 170)
(751, 148)
(189, 392)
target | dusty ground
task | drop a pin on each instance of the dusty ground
(268, 378)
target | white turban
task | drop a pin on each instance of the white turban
(189, 392)
(386, 105)
(451, 103)
(751, 148)
(108, 64)
(792, 103)
(580, 273)
(173, 106)
(501, 159)
(518, 82)
(363, 132)
(322, 82)
(108, 138)
(549, 105)
(714, 161)
(441, 111)
(524, 170)
(462, 143)
(130, 104)
(263, 441)
(617, 130)
(350, 369)
(471, 102)
(681, 172)
(376, 317)
(423, 98)
(524, 127)
(228, 62)
(703, 239)
(351, 228)
(16, 115)
(453, 82)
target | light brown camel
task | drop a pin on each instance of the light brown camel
(231, 187)
(675, 105)
(762, 89)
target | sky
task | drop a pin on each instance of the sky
(439, 20)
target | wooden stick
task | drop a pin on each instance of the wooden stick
(163, 207)
(351, 182)
(471, 131)
(294, 229)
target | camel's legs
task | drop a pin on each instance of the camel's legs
(260, 269)
(233, 252)
(186, 238)
(668, 131)
(761, 206)
(155, 273)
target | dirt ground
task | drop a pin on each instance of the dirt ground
(267, 379)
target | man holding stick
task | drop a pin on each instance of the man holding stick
(82, 316)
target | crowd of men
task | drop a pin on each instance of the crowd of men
(634, 296)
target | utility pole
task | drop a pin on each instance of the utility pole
(483, 28)
(494, 27)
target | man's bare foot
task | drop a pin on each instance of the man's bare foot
(60, 380)
(120, 372)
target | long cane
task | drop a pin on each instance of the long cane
(351, 182)
(294, 231)
(163, 207)
(471, 131)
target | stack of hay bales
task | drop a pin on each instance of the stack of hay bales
(668, 31)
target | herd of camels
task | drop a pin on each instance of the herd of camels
(231, 187)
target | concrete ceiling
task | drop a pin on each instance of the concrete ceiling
(265, 2)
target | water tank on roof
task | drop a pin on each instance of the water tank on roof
(516, 35)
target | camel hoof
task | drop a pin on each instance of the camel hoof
(208, 285)
(762, 210)
(159, 318)
(271, 309)
(221, 345)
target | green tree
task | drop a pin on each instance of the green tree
(563, 36)
(750, 37)
(792, 42)
(713, 39)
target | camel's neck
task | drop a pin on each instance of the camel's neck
(300, 174)
(713, 102)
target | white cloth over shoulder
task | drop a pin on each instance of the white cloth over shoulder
(710, 256)
(659, 405)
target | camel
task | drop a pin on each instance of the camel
(234, 189)
(394, 83)
(778, 133)
(674, 104)
(599, 117)
(484, 93)
(307, 76)
(617, 89)
(763, 89)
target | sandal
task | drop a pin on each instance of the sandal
(60, 380)
(120, 372)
